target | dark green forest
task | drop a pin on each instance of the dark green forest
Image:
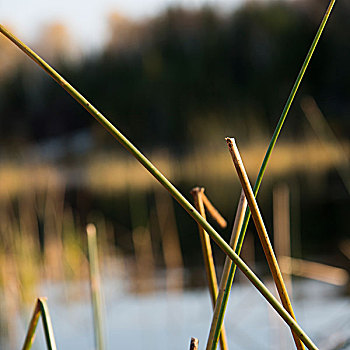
(186, 79)
(189, 70)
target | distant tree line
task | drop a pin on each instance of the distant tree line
(184, 68)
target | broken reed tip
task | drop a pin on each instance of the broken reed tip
(196, 190)
(91, 229)
(42, 299)
(230, 141)
(194, 344)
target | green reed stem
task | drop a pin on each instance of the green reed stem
(166, 184)
(41, 309)
(198, 193)
(95, 286)
(219, 311)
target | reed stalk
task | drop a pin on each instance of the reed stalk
(197, 194)
(212, 211)
(165, 183)
(222, 295)
(169, 236)
(41, 309)
(217, 323)
(313, 270)
(142, 241)
(326, 135)
(262, 232)
(48, 330)
(28, 342)
(194, 344)
(281, 229)
(95, 286)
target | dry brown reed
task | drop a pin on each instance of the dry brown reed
(170, 241)
(194, 344)
(263, 236)
(289, 158)
(198, 193)
(281, 227)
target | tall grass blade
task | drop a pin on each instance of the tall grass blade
(40, 309)
(197, 194)
(222, 296)
(95, 285)
(194, 344)
(217, 322)
(262, 232)
(167, 185)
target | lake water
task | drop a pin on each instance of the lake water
(168, 320)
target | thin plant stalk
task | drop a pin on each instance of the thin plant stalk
(212, 211)
(142, 241)
(165, 183)
(40, 309)
(262, 232)
(95, 286)
(197, 194)
(28, 342)
(170, 241)
(313, 270)
(217, 322)
(194, 344)
(325, 133)
(206, 246)
(48, 330)
(242, 205)
(281, 228)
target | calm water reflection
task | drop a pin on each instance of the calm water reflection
(160, 319)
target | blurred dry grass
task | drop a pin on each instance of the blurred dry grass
(33, 196)
(42, 240)
(116, 174)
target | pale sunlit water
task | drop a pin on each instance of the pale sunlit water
(168, 320)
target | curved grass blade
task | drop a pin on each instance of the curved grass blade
(166, 184)
(219, 311)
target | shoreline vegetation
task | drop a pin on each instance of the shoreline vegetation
(47, 229)
(306, 158)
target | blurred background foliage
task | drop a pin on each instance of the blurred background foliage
(176, 85)
(177, 79)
